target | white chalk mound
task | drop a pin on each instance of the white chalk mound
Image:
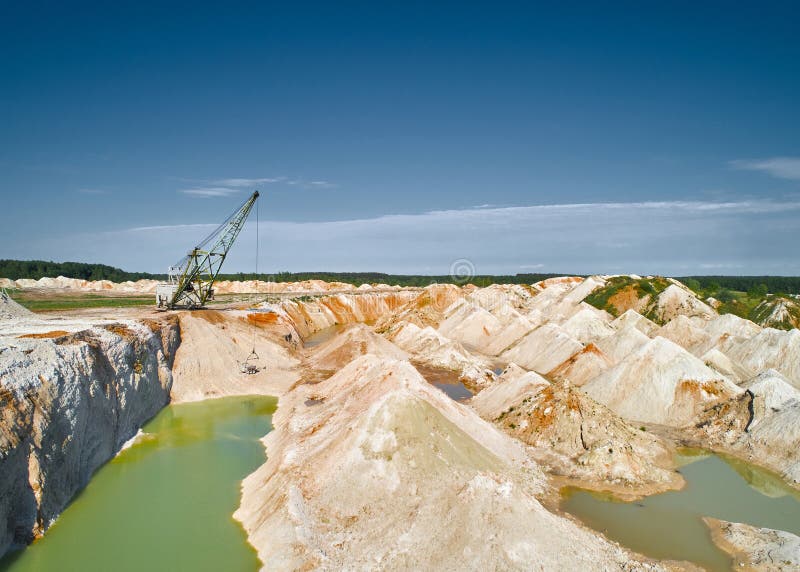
(678, 300)
(770, 348)
(378, 444)
(543, 349)
(660, 383)
(11, 310)
(511, 388)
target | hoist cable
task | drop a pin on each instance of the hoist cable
(257, 239)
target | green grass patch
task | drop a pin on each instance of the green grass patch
(756, 304)
(39, 303)
(739, 304)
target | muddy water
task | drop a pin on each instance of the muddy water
(445, 380)
(166, 502)
(669, 525)
(323, 335)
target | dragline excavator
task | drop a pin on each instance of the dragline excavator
(191, 279)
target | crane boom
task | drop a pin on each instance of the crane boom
(191, 279)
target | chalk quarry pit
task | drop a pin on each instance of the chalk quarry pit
(369, 464)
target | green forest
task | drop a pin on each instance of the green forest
(35, 269)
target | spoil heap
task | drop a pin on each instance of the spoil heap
(660, 383)
(414, 460)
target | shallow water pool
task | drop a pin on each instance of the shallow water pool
(669, 525)
(166, 503)
(445, 380)
(323, 335)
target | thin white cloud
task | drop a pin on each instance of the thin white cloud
(655, 237)
(241, 182)
(172, 227)
(214, 188)
(519, 214)
(208, 192)
(309, 184)
(742, 206)
(778, 167)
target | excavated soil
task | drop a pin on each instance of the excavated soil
(371, 465)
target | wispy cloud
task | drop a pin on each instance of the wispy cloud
(669, 237)
(778, 167)
(241, 182)
(173, 227)
(740, 206)
(309, 184)
(320, 184)
(233, 185)
(520, 215)
(93, 191)
(208, 192)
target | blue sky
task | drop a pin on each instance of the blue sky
(401, 137)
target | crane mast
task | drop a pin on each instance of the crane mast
(191, 279)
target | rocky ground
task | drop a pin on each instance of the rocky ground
(755, 548)
(590, 382)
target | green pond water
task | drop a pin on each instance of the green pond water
(669, 525)
(166, 503)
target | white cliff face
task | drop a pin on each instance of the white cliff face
(67, 405)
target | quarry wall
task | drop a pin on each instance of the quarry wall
(67, 405)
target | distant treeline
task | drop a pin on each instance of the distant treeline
(16, 269)
(358, 278)
(774, 284)
(35, 269)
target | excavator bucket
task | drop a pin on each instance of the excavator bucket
(250, 365)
